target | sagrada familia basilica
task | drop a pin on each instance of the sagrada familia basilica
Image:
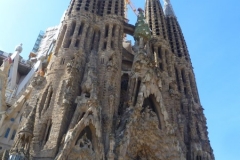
(102, 98)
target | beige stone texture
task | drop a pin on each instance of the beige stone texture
(99, 100)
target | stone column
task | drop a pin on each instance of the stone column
(66, 37)
(116, 38)
(180, 80)
(163, 53)
(109, 38)
(155, 55)
(84, 33)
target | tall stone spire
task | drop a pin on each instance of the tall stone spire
(168, 10)
(155, 18)
(175, 35)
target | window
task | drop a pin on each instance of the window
(77, 43)
(13, 134)
(106, 31)
(199, 158)
(7, 133)
(72, 28)
(48, 131)
(81, 29)
(105, 45)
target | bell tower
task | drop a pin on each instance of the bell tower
(103, 99)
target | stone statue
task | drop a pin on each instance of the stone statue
(87, 85)
(84, 142)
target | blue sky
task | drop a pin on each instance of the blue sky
(211, 29)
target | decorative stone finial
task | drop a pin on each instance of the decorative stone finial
(19, 48)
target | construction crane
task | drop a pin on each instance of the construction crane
(128, 2)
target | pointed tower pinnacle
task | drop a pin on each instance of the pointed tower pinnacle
(168, 10)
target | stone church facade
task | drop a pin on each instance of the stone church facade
(102, 98)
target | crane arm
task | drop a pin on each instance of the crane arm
(128, 2)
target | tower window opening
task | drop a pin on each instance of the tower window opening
(105, 45)
(77, 43)
(161, 66)
(157, 31)
(152, 49)
(185, 90)
(94, 6)
(106, 31)
(116, 7)
(48, 131)
(109, 7)
(113, 30)
(79, 5)
(50, 94)
(81, 29)
(72, 28)
(122, 8)
(102, 4)
(87, 5)
(182, 108)
(123, 94)
(198, 158)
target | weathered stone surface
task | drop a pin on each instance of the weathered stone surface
(101, 101)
